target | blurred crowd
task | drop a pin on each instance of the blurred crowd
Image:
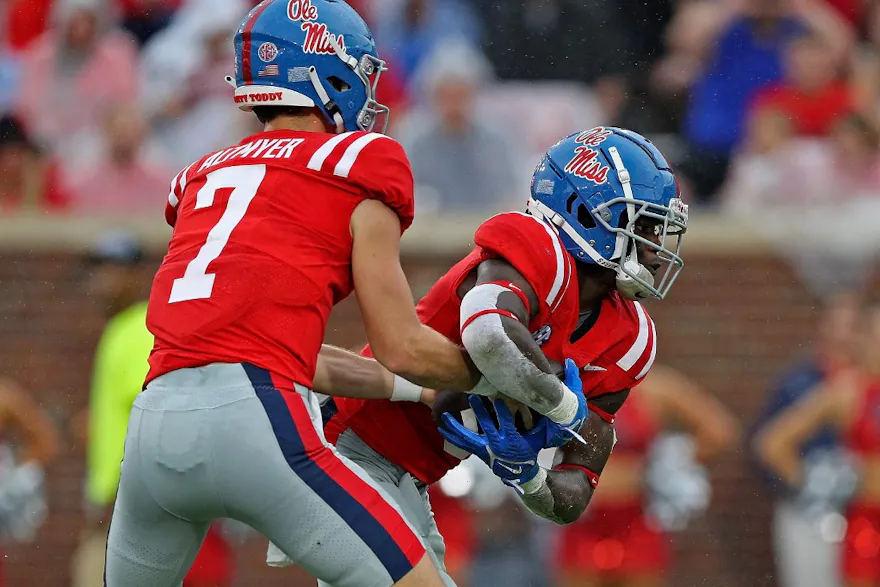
(758, 103)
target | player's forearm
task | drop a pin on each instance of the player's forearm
(507, 355)
(828, 23)
(568, 488)
(41, 439)
(431, 360)
(779, 457)
(561, 496)
(341, 373)
(41, 449)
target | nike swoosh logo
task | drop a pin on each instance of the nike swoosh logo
(589, 367)
(515, 471)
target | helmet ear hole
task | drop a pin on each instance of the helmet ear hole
(338, 84)
(569, 204)
(585, 219)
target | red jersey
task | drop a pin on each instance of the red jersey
(261, 249)
(614, 354)
(618, 350)
(405, 433)
(863, 436)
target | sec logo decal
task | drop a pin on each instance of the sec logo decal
(268, 52)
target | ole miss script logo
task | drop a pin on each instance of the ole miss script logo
(301, 10)
(318, 39)
(585, 163)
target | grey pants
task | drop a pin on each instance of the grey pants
(222, 441)
(410, 495)
(803, 557)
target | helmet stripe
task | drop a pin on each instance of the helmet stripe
(247, 74)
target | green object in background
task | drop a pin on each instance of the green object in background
(118, 377)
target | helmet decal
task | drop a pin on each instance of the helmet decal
(586, 163)
(268, 52)
(301, 10)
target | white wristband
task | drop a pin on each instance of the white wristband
(567, 409)
(536, 483)
(405, 391)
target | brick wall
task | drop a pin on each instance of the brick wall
(732, 322)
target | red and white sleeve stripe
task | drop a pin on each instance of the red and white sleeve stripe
(650, 361)
(644, 349)
(563, 265)
(178, 184)
(341, 159)
(173, 198)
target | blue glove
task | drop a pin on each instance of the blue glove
(510, 455)
(553, 434)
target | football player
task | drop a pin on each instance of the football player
(624, 221)
(268, 236)
(603, 229)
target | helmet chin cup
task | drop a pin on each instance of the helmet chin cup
(634, 281)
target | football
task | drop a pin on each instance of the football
(457, 403)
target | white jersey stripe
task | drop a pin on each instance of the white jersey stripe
(634, 353)
(173, 200)
(560, 261)
(320, 156)
(343, 168)
(175, 181)
(178, 182)
(556, 290)
(568, 272)
(183, 178)
(650, 362)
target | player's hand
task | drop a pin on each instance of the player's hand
(553, 434)
(512, 457)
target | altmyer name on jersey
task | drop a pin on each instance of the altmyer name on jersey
(258, 149)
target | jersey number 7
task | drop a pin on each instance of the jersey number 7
(245, 181)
